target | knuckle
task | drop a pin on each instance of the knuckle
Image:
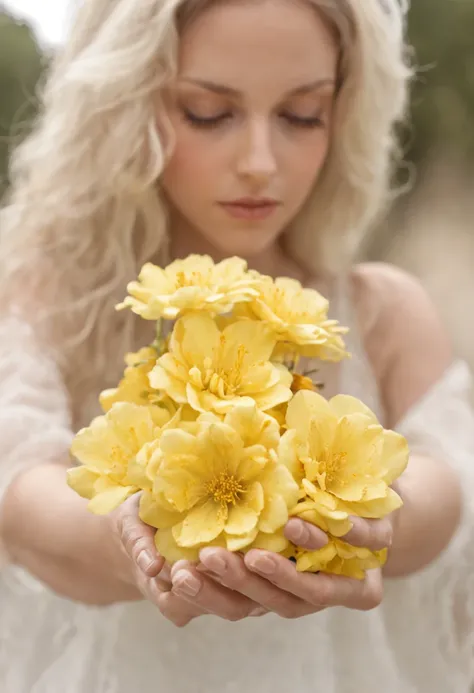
(130, 535)
(138, 544)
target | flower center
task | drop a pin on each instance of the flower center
(330, 468)
(225, 489)
(192, 279)
(221, 378)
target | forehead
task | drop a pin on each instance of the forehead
(271, 42)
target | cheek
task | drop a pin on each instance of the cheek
(193, 164)
(308, 162)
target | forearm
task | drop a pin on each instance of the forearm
(429, 517)
(47, 529)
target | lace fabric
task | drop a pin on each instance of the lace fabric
(34, 417)
(421, 638)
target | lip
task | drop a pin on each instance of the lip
(251, 209)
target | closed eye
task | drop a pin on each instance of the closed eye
(309, 122)
(205, 122)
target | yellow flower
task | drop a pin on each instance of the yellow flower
(212, 370)
(299, 318)
(339, 558)
(195, 283)
(136, 389)
(223, 486)
(343, 458)
(106, 450)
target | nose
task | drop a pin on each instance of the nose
(256, 160)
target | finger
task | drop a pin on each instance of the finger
(173, 608)
(208, 595)
(231, 571)
(321, 590)
(138, 539)
(304, 534)
(177, 610)
(370, 534)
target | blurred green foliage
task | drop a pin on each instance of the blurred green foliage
(441, 31)
(20, 68)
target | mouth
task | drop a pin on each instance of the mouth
(252, 209)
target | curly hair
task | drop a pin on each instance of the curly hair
(84, 211)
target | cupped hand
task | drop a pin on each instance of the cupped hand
(171, 591)
(273, 582)
(233, 587)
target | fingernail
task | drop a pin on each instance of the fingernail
(145, 560)
(215, 563)
(262, 564)
(259, 611)
(186, 584)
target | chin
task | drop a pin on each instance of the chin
(245, 244)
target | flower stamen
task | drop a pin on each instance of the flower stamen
(225, 489)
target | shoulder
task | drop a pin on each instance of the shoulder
(407, 345)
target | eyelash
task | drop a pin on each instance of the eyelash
(215, 121)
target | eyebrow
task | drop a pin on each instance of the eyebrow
(229, 91)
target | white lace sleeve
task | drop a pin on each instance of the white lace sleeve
(34, 414)
(441, 425)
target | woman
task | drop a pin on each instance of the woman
(262, 129)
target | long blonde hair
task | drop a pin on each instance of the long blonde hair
(84, 212)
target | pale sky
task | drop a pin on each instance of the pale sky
(49, 18)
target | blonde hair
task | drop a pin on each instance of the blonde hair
(84, 214)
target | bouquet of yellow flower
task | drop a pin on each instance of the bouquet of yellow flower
(221, 435)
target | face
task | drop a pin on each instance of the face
(251, 110)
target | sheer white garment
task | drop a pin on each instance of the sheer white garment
(420, 640)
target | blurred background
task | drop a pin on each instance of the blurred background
(430, 230)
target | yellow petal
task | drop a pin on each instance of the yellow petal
(287, 455)
(316, 560)
(161, 380)
(237, 543)
(82, 481)
(254, 497)
(343, 405)
(196, 336)
(258, 340)
(252, 463)
(277, 481)
(270, 542)
(177, 442)
(278, 394)
(304, 407)
(274, 515)
(168, 548)
(241, 520)
(222, 449)
(252, 425)
(158, 514)
(201, 525)
(378, 508)
(395, 455)
(359, 443)
(132, 426)
(103, 503)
